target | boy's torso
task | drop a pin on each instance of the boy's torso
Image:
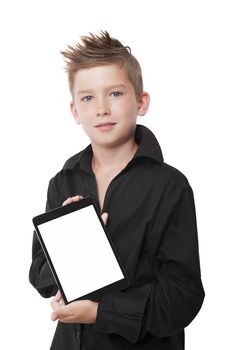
(132, 201)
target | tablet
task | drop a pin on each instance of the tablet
(80, 251)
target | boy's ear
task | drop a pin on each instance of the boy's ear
(143, 103)
(74, 112)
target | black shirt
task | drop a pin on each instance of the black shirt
(153, 226)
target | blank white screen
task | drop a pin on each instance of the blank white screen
(80, 252)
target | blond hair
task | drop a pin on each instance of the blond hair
(98, 50)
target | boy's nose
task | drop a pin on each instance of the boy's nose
(103, 109)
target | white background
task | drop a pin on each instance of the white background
(185, 49)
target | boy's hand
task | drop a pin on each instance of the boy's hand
(77, 199)
(80, 311)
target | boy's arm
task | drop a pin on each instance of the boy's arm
(40, 275)
(171, 301)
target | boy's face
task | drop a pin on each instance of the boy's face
(104, 102)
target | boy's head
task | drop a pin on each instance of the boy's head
(102, 50)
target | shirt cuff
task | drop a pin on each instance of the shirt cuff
(122, 313)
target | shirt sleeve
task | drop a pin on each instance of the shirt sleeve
(40, 275)
(172, 300)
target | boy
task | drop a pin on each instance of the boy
(147, 205)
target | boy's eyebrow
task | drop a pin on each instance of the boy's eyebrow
(81, 92)
(114, 86)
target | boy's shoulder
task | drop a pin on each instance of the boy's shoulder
(69, 164)
(172, 173)
(72, 161)
(168, 176)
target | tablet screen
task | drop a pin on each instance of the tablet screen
(80, 252)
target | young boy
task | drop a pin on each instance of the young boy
(147, 205)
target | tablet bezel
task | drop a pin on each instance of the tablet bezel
(67, 209)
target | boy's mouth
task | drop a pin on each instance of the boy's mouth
(105, 126)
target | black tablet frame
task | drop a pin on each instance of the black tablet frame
(66, 209)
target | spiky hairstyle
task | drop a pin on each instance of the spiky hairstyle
(99, 50)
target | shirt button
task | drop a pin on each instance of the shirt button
(78, 335)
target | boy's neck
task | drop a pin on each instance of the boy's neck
(109, 159)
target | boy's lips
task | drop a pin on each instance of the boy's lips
(105, 126)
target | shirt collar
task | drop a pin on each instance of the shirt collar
(148, 144)
(148, 147)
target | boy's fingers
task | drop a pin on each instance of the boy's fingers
(67, 201)
(58, 296)
(105, 218)
(54, 316)
(60, 312)
(72, 199)
(76, 198)
(57, 301)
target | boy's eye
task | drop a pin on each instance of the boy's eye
(87, 98)
(116, 93)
